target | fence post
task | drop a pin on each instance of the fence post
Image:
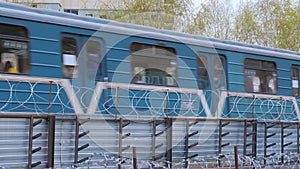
(236, 157)
(51, 140)
(134, 158)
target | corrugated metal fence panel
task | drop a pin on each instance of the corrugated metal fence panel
(207, 139)
(64, 141)
(103, 140)
(235, 137)
(291, 133)
(140, 137)
(14, 143)
(202, 133)
(178, 140)
(210, 141)
(274, 136)
(42, 142)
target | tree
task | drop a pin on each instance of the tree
(246, 26)
(162, 14)
(288, 25)
(214, 19)
(273, 23)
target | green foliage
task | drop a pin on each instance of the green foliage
(273, 23)
(246, 26)
(214, 19)
(167, 14)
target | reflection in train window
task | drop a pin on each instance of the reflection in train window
(211, 72)
(260, 76)
(93, 60)
(219, 73)
(152, 64)
(69, 57)
(203, 77)
(14, 49)
(295, 81)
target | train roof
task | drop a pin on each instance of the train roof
(55, 17)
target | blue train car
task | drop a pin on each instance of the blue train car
(53, 63)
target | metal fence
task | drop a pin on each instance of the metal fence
(66, 141)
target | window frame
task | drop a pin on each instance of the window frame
(134, 52)
(12, 38)
(261, 68)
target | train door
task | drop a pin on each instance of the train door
(295, 75)
(90, 70)
(295, 86)
(81, 62)
(212, 79)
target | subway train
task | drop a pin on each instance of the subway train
(54, 63)
(39, 44)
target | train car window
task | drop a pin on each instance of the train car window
(295, 81)
(69, 57)
(203, 77)
(153, 64)
(93, 60)
(14, 49)
(260, 76)
(12, 30)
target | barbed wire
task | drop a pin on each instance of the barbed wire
(291, 160)
(26, 96)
